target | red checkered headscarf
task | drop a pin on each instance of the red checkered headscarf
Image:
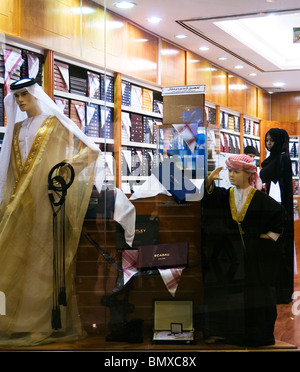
(245, 163)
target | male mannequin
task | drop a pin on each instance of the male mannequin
(241, 226)
(43, 138)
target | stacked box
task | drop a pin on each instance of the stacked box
(26, 55)
(136, 134)
(93, 124)
(107, 123)
(74, 115)
(64, 105)
(126, 93)
(93, 85)
(61, 76)
(107, 88)
(78, 81)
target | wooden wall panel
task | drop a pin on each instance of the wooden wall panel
(219, 92)
(10, 17)
(263, 104)
(142, 54)
(286, 106)
(52, 23)
(198, 71)
(251, 100)
(94, 34)
(172, 65)
(236, 93)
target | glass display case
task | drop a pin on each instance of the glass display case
(194, 149)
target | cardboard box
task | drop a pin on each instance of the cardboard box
(173, 322)
(184, 104)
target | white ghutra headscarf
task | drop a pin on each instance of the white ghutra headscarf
(48, 106)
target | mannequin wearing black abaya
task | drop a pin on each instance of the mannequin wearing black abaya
(277, 168)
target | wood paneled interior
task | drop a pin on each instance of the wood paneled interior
(219, 84)
(236, 93)
(172, 61)
(10, 17)
(48, 73)
(51, 23)
(96, 277)
(286, 106)
(96, 39)
(263, 104)
(110, 41)
(251, 100)
(142, 54)
(198, 71)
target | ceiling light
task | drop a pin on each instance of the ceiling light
(222, 58)
(204, 48)
(278, 84)
(238, 67)
(252, 74)
(180, 36)
(154, 19)
(124, 4)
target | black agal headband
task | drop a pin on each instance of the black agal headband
(23, 83)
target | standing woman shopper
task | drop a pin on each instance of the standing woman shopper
(277, 171)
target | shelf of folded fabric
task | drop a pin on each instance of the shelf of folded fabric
(103, 140)
(141, 112)
(82, 98)
(139, 144)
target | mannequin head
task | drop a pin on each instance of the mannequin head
(27, 102)
(239, 178)
(242, 171)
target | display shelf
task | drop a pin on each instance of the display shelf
(140, 144)
(91, 92)
(74, 96)
(139, 118)
(251, 129)
(230, 135)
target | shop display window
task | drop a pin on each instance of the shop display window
(123, 263)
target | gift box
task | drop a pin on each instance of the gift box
(162, 255)
(173, 322)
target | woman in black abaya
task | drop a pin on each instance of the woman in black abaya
(277, 168)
